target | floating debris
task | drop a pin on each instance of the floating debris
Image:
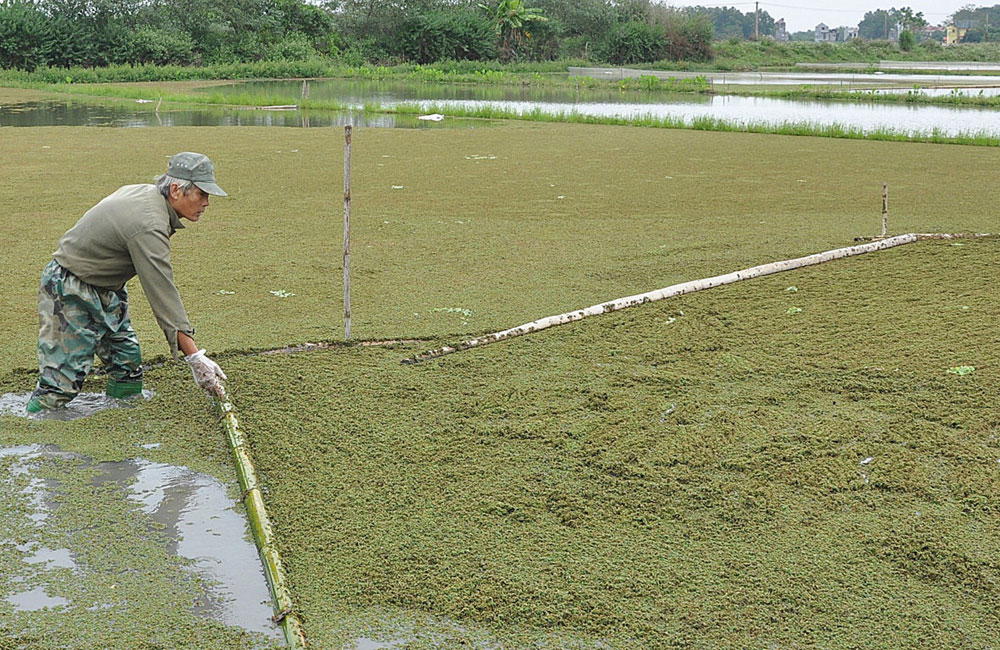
(792, 288)
(961, 370)
(433, 117)
(793, 310)
(281, 293)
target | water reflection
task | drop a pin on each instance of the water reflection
(193, 510)
(120, 115)
(604, 102)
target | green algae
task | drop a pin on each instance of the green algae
(642, 209)
(122, 588)
(685, 474)
(737, 479)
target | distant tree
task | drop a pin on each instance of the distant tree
(511, 19)
(632, 10)
(591, 18)
(689, 33)
(984, 21)
(907, 40)
(876, 24)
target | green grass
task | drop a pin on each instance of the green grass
(685, 474)
(982, 139)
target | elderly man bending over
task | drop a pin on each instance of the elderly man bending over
(83, 303)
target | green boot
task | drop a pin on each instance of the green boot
(121, 389)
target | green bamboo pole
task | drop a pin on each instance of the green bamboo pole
(260, 525)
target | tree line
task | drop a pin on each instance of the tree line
(91, 33)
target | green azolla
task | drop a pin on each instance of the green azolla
(612, 481)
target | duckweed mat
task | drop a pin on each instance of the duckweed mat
(500, 225)
(785, 462)
(804, 460)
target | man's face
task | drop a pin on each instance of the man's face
(188, 206)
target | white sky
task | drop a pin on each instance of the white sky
(804, 15)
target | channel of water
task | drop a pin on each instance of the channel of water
(606, 102)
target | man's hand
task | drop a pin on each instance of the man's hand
(207, 373)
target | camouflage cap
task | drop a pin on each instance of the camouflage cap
(197, 168)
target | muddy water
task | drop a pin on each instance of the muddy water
(83, 405)
(193, 511)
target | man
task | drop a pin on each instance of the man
(83, 303)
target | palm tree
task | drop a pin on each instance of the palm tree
(510, 20)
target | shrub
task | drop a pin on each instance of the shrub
(152, 45)
(576, 47)
(688, 36)
(907, 40)
(631, 42)
(294, 47)
(459, 34)
(23, 36)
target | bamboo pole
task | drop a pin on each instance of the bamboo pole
(260, 526)
(668, 292)
(347, 232)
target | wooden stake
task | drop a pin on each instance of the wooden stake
(347, 233)
(885, 208)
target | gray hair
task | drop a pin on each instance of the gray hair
(164, 182)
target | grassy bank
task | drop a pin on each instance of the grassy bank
(715, 124)
(767, 54)
(692, 473)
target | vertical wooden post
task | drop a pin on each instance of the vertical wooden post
(347, 233)
(885, 207)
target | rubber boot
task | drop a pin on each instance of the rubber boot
(122, 389)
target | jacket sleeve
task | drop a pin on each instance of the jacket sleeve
(150, 251)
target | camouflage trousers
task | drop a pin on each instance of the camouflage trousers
(77, 321)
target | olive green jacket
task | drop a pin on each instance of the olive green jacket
(128, 234)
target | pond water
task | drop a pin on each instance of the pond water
(83, 405)
(197, 518)
(604, 102)
(843, 80)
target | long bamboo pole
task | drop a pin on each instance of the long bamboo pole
(668, 292)
(347, 232)
(260, 526)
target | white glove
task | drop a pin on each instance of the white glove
(207, 373)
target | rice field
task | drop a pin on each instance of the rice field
(799, 461)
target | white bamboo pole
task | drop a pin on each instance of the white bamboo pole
(347, 233)
(671, 291)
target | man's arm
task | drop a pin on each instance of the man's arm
(186, 344)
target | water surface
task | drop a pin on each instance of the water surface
(604, 102)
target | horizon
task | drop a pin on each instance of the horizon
(799, 16)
